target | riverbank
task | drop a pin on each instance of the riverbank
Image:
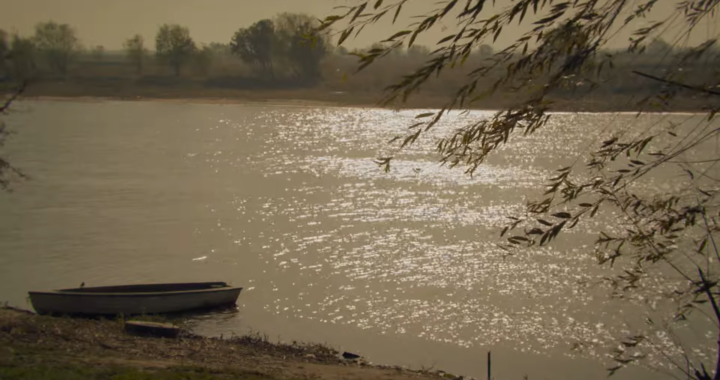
(323, 96)
(41, 347)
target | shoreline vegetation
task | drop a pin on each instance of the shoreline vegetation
(272, 61)
(44, 347)
(322, 97)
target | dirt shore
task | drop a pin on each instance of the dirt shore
(32, 345)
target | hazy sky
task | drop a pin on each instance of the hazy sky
(110, 22)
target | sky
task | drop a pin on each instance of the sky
(110, 22)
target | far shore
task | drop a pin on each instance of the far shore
(318, 97)
(198, 100)
(280, 102)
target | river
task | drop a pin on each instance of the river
(401, 267)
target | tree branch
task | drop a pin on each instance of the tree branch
(674, 83)
(706, 289)
(12, 97)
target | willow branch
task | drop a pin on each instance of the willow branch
(674, 83)
(12, 98)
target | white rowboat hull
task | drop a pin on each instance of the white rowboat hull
(135, 299)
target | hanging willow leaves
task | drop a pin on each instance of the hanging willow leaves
(563, 46)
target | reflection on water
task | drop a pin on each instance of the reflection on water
(287, 203)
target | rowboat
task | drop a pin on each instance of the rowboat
(135, 299)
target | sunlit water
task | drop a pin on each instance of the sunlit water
(402, 267)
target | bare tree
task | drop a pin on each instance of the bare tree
(7, 171)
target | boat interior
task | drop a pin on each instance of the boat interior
(149, 288)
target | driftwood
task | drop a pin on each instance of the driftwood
(155, 329)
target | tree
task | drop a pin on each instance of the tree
(136, 52)
(219, 49)
(9, 51)
(564, 49)
(418, 51)
(4, 52)
(302, 43)
(22, 58)
(486, 50)
(57, 44)
(174, 46)
(658, 46)
(257, 46)
(221, 54)
(376, 46)
(203, 59)
(7, 170)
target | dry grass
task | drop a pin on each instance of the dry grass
(77, 335)
(99, 343)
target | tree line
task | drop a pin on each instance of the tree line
(288, 45)
(284, 51)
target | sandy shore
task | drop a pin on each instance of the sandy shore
(29, 342)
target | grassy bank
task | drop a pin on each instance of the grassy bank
(40, 347)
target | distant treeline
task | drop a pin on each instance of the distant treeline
(286, 52)
(286, 47)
